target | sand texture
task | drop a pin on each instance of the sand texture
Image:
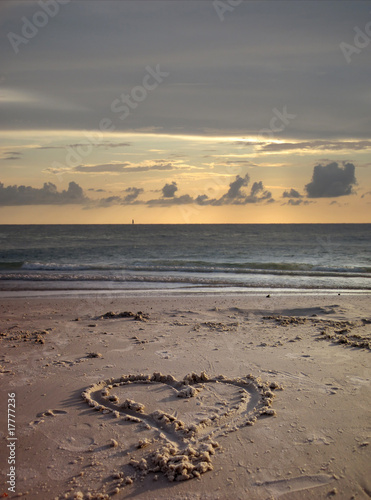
(188, 397)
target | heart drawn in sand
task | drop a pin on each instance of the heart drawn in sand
(186, 416)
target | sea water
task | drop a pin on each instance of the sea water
(223, 257)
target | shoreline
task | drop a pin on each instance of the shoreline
(314, 443)
(230, 291)
(157, 293)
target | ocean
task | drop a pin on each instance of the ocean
(173, 258)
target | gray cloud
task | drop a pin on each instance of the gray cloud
(133, 194)
(330, 181)
(105, 145)
(256, 188)
(118, 168)
(234, 191)
(129, 199)
(317, 145)
(298, 202)
(166, 166)
(258, 194)
(169, 190)
(237, 196)
(47, 195)
(58, 147)
(202, 199)
(106, 202)
(291, 194)
(12, 155)
(185, 199)
(108, 145)
(242, 74)
(234, 196)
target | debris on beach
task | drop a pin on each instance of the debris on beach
(138, 316)
(338, 332)
(37, 336)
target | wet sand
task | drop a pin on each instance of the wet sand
(187, 397)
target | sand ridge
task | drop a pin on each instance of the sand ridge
(339, 332)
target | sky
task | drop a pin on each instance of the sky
(205, 111)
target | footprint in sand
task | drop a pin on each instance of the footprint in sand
(182, 448)
(165, 354)
(52, 413)
(76, 437)
(47, 413)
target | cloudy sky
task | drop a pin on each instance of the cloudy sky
(185, 111)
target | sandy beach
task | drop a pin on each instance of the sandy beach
(186, 397)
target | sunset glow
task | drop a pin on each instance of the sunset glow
(226, 109)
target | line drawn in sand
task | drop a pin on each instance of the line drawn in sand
(283, 486)
(182, 449)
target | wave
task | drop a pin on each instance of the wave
(158, 267)
(256, 280)
(174, 284)
(199, 267)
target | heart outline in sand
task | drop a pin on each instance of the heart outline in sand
(186, 449)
